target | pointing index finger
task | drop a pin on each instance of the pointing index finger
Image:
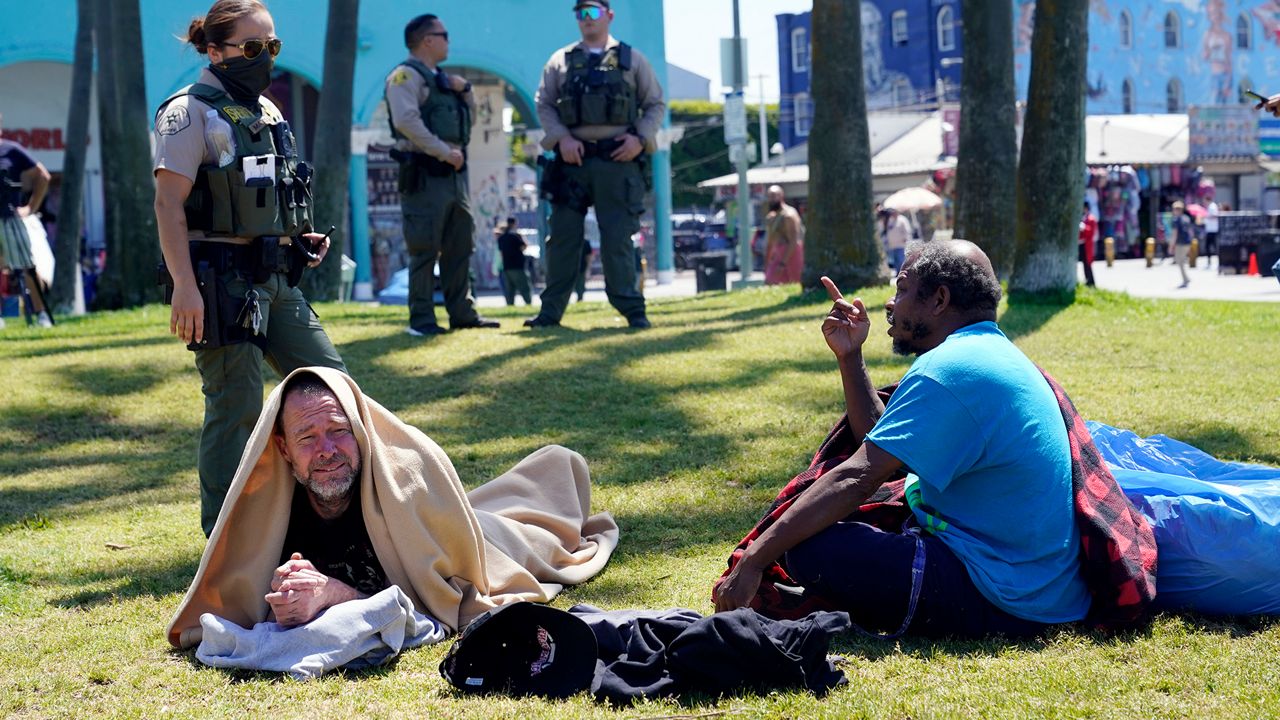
(832, 290)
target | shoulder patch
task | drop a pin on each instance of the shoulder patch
(239, 113)
(175, 120)
(400, 77)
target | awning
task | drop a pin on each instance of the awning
(1136, 140)
(915, 150)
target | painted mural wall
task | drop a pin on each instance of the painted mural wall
(1157, 56)
(903, 44)
(1145, 56)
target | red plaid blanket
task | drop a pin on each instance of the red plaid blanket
(1117, 547)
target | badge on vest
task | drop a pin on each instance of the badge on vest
(238, 113)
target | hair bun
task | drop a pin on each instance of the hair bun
(195, 35)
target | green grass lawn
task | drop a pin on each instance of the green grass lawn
(689, 428)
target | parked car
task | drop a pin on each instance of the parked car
(687, 237)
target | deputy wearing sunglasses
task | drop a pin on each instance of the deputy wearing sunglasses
(431, 114)
(601, 106)
(233, 214)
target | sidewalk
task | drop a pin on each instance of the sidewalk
(1161, 280)
(685, 284)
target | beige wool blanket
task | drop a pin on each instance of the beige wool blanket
(521, 536)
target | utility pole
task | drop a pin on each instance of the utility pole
(744, 190)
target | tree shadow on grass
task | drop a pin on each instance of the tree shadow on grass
(1223, 442)
(84, 344)
(115, 381)
(1023, 316)
(45, 432)
(141, 578)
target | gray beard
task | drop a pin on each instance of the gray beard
(329, 491)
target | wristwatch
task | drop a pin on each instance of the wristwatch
(466, 88)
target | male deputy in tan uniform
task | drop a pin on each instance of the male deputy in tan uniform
(601, 106)
(431, 115)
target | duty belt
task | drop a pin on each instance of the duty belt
(264, 254)
(602, 149)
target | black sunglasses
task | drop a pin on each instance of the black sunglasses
(444, 35)
(253, 48)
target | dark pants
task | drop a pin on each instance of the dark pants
(617, 192)
(438, 226)
(867, 573)
(1088, 266)
(231, 378)
(516, 281)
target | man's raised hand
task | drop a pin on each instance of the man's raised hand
(847, 325)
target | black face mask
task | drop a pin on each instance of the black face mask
(775, 206)
(244, 79)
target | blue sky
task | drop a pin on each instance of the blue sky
(694, 29)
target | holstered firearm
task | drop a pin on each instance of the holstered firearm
(559, 188)
(414, 166)
(207, 282)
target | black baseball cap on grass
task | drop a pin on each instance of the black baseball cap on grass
(523, 649)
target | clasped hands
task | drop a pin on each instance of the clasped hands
(300, 592)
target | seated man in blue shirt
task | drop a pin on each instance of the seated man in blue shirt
(979, 433)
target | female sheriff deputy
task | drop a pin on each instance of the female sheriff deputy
(233, 210)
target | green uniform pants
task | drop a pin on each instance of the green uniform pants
(517, 280)
(617, 192)
(231, 378)
(438, 226)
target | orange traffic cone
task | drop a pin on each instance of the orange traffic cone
(1253, 264)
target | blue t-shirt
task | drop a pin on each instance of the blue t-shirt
(981, 434)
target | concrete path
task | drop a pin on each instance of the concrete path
(1162, 279)
(1127, 276)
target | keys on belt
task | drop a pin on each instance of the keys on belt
(250, 317)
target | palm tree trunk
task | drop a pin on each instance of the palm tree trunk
(128, 186)
(333, 146)
(70, 220)
(841, 240)
(988, 163)
(1051, 171)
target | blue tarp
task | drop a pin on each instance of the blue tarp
(1217, 524)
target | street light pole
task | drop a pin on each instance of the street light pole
(744, 189)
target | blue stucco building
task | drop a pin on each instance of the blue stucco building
(910, 52)
(500, 45)
(1145, 56)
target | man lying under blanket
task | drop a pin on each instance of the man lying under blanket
(1008, 519)
(336, 499)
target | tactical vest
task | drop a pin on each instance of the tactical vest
(597, 93)
(223, 203)
(445, 112)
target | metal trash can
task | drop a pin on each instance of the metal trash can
(711, 272)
